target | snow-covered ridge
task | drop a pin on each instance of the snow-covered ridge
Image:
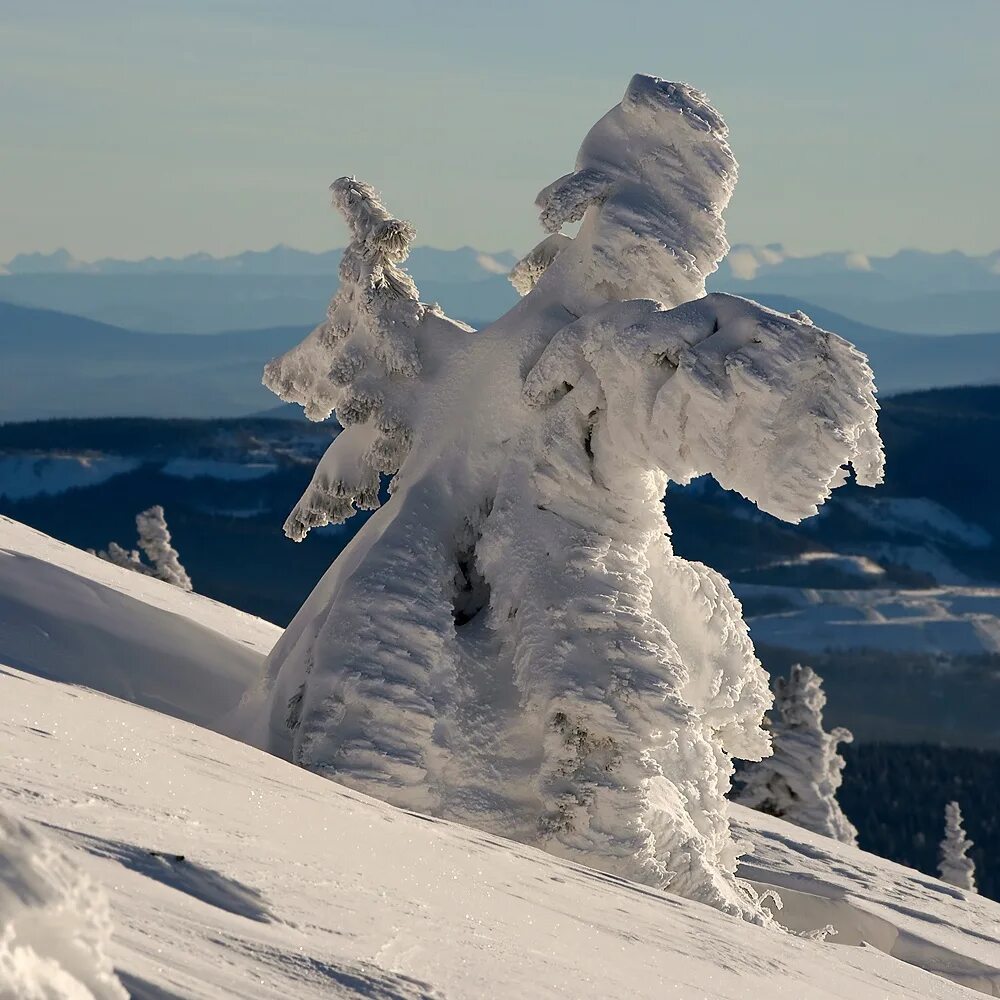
(23, 476)
(963, 620)
(69, 615)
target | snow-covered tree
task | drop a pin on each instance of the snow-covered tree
(155, 542)
(510, 641)
(127, 558)
(799, 781)
(955, 866)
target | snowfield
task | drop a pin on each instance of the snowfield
(23, 476)
(231, 873)
(68, 615)
(960, 620)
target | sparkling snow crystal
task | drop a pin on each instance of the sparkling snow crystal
(510, 642)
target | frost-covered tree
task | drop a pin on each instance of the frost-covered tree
(155, 542)
(510, 641)
(799, 781)
(955, 866)
(126, 558)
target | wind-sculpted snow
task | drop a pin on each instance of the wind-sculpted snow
(510, 641)
(294, 887)
(55, 926)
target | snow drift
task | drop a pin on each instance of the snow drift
(76, 618)
(510, 641)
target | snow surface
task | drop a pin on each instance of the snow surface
(852, 565)
(962, 620)
(55, 924)
(294, 886)
(24, 476)
(69, 615)
(920, 514)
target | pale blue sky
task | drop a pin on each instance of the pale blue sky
(135, 128)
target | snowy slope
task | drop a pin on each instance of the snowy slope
(292, 886)
(71, 616)
(959, 620)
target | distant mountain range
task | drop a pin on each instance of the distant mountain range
(463, 264)
(910, 291)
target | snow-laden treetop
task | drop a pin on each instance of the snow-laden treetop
(511, 641)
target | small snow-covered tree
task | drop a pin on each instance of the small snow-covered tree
(955, 866)
(799, 781)
(155, 542)
(510, 642)
(126, 558)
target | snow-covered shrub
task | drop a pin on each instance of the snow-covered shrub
(799, 781)
(510, 642)
(955, 866)
(55, 925)
(154, 540)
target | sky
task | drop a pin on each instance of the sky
(139, 128)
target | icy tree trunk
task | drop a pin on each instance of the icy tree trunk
(956, 867)
(799, 781)
(509, 641)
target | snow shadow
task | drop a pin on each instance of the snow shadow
(803, 912)
(180, 873)
(374, 985)
(143, 989)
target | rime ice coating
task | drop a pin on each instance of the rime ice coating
(156, 544)
(799, 781)
(510, 642)
(955, 866)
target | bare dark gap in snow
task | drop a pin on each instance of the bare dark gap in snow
(294, 716)
(472, 592)
(588, 438)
